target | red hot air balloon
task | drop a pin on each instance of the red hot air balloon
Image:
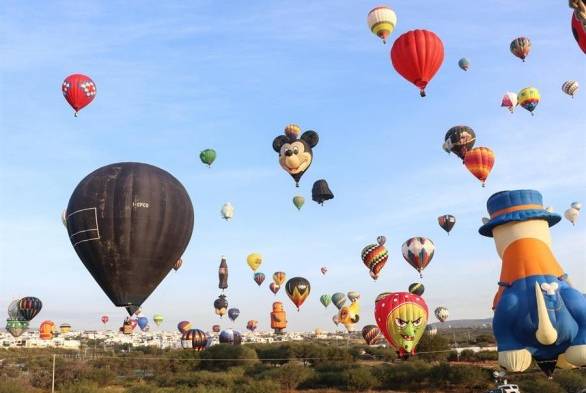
(417, 55)
(79, 90)
(104, 319)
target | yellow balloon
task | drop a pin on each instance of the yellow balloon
(254, 260)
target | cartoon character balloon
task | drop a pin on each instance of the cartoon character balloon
(296, 155)
(221, 306)
(375, 256)
(298, 289)
(278, 318)
(349, 315)
(417, 56)
(418, 252)
(401, 317)
(79, 90)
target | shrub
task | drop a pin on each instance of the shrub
(539, 385)
(445, 375)
(86, 387)
(256, 387)
(9, 386)
(223, 356)
(571, 381)
(360, 379)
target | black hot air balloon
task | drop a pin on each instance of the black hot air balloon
(447, 222)
(223, 274)
(320, 192)
(459, 140)
(28, 307)
(221, 305)
(129, 224)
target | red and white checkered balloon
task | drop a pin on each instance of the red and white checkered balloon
(79, 90)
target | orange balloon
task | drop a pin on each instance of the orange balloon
(46, 330)
(479, 162)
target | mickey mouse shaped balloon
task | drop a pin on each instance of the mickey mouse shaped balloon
(295, 154)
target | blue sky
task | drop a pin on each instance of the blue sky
(175, 77)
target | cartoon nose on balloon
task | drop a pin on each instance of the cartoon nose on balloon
(288, 153)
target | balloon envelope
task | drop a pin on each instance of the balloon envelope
(382, 21)
(79, 90)
(129, 223)
(298, 289)
(29, 307)
(418, 252)
(259, 278)
(208, 156)
(371, 334)
(195, 339)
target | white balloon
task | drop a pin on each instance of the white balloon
(227, 211)
(576, 205)
(572, 215)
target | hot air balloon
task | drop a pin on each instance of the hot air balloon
(16, 327)
(158, 319)
(292, 131)
(230, 336)
(221, 305)
(576, 205)
(223, 274)
(375, 256)
(520, 47)
(298, 289)
(348, 315)
(464, 63)
(46, 330)
(274, 288)
(441, 313)
(459, 140)
(259, 278)
(13, 312)
(251, 325)
(296, 155)
(323, 270)
(64, 328)
(335, 319)
(278, 318)
(401, 318)
(143, 322)
(133, 323)
(339, 299)
(29, 307)
(371, 334)
(216, 328)
(79, 90)
(325, 300)
(382, 21)
(279, 278)
(570, 87)
(320, 192)
(353, 296)
(417, 55)
(479, 161)
(233, 314)
(447, 222)
(195, 339)
(416, 288)
(183, 326)
(529, 98)
(418, 252)
(572, 215)
(208, 156)
(579, 30)
(298, 201)
(254, 261)
(227, 211)
(510, 101)
(64, 217)
(431, 330)
(178, 264)
(104, 319)
(129, 223)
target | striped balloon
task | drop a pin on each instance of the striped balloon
(416, 288)
(479, 161)
(418, 252)
(382, 21)
(371, 334)
(520, 47)
(375, 256)
(195, 339)
(570, 88)
(29, 307)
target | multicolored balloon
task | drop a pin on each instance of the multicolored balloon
(292, 131)
(208, 156)
(401, 317)
(528, 98)
(79, 90)
(298, 289)
(16, 327)
(28, 307)
(375, 256)
(381, 22)
(371, 334)
(216, 328)
(441, 313)
(279, 278)
(520, 47)
(195, 339)
(323, 270)
(510, 101)
(254, 261)
(570, 87)
(416, 288)
(353, 296)
(579, 30)
(178, 264)
(417, 56)
(446, 222)
(251, 325)
(339, 299)
(259, 278)
(418, 252)
(274, 288)
(459, 140)
(479, 161)
(46, 330)
(464, 63)
(325, 300)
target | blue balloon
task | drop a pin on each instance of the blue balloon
(143, 322)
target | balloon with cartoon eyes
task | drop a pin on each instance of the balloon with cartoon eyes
(295, 155)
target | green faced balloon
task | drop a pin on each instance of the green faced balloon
(208, 156)
(129, 223)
